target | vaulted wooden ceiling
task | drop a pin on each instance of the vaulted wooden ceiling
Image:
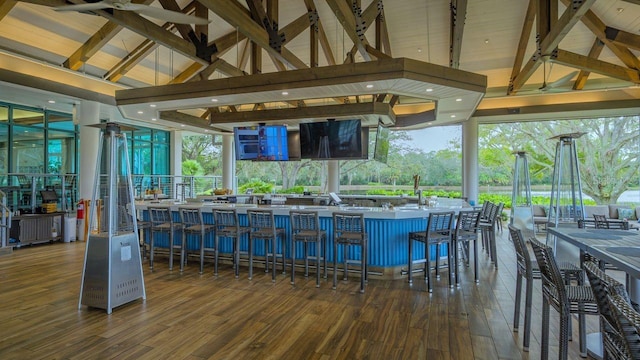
(539, 57)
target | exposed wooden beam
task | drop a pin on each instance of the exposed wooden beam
(382, 33)
(92, 46)
(245, 54)
(5, 7)
(458, 13)
(623, 37)
(229, 12)
(586, 63)
(355, 31)
(186, 31)
(314, 39)
(377, 53)
(322, 35)
(560, 29)
(186, 119)
(131, 60)
(637, 2)
(527, 26)
(594, 53)
(295, 28)
(187, 74)
(597, 27)
(322, 111)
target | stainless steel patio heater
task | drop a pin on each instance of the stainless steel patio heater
(521, 209)
(112, 273)
(566, 206)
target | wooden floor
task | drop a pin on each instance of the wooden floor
(192, 316)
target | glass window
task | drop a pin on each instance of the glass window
(61, 147)
(4, 152)
(28, 150)
(28, 117)
(141, 158)
(161, 136)
(161, 159)
(4, 114)
(60, 121)
(142, 134)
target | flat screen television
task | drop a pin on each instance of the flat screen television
(381, 150)
(333, 139)
(261, 143)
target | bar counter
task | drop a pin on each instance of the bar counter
(387, 229)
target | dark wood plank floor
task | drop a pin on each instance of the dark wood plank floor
(192, 316)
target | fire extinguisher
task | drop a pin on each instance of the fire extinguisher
(80, 210)
(80, 223)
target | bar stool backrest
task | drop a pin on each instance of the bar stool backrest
(440, 223)
(304, 221)
(191, 217)
(523, 258)
(159, 216)
(467, 223)
(226, 221)
(486, 210)
(348, 226)
(261, 222)
(552, 282)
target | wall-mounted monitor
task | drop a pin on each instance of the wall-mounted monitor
(293, 142)
(262, 143)
(381, 150)
(333, 139)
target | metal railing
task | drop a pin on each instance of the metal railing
(174, 187)
(23, 190)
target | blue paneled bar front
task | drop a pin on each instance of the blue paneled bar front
(387, 230)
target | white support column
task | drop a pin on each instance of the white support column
(175, 161)
(228, 163)
(470, 160)
(88, 114)
(333, 176)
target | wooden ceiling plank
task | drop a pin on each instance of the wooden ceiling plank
(586, 63)
(5, 7)
(185, 30)
(623, 38)
(596, 50)
(322, 35)
(384, 33)
(321, 111)
(202, 31)
(229, 12)
(92, 46)
(527, 26)
(458, 13)
(566, 22)
(561, 28)
(346, 17)
(597, 27)
(187, 73)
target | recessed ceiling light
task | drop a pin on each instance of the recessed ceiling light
(369, 86)
(419, 50)
(486, 41)
(51, 101)
(206, 130)
(153, 119)
(214, 100)
(458, 99)
(285, 93)
(140, 112)
(429, 90)
(152, 105)
(181, 125)
(453, 116)
(620, 10)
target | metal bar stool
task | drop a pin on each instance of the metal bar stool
(466, 231)
(227, 226)
(162, 222)
(438, 231)
(193, 223)
(262, 227)
(627, 321)
(305, 227)
(349, 229)
(488, 228)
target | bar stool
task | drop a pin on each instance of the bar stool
(227, 226)
(488, 230)
(143, 226)
(193, 223)
(466, 231)
(262, 227)
(305, 227)
(438, 231)
(162, 222)
(349, 229)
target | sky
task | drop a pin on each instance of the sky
(435, 138)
